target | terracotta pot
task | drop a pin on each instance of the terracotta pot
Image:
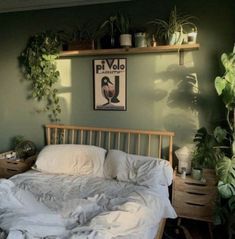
(80, 45)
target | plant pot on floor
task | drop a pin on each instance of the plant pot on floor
(125, 40)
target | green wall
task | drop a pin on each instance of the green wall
(159, 93)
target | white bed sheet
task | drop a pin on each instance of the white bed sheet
(62, 206)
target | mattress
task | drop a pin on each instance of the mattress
(43, 205)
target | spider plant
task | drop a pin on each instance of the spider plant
(123, 23)
(174, 27)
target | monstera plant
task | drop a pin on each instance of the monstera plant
(38, 64)
(225, 87)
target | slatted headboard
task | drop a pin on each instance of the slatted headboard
(141, 142)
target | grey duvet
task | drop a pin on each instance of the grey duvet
(39, 205)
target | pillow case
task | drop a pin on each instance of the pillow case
(142, 170)
(71, 159)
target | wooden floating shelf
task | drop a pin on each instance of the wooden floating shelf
(125, 51)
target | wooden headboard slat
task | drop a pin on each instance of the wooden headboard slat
(160, 146)
(119, 138)
(73, 136)
(129, 140)
(149, 145)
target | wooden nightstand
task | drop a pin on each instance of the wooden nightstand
(11, 167)
(194, 199)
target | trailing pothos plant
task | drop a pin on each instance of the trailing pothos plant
(38, 64)
(225, 168)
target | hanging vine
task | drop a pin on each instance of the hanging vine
(38, 64)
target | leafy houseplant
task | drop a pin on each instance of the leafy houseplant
(173, 29)
(225, 87)
(83, 37)
(38, 64)
(109, 27)
(123, 26)
(208, 147)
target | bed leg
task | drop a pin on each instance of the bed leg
(161, 229)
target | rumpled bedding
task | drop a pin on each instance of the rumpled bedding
(38, 205)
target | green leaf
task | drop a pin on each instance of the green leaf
(225, 169)
(225, 60)
(220, 84)
(226, 190)
(220, 134)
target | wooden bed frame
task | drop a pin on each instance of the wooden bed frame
(141, 142)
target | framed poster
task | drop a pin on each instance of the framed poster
(109, 76)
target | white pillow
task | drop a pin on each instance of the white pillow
(71, 159)
(142, 170)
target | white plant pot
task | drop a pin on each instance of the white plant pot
(192, 38)
(126, 40)
(176, 38)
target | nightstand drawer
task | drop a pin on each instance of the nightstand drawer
(195, 198)
(193, 211)
(195, 186)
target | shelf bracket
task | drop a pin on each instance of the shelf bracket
(181, 57)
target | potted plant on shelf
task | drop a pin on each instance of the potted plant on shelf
(173, 30)
(81, 38)
(123, 26)
(108, 30)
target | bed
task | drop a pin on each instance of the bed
(94, 183)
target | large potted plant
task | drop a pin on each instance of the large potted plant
(225, 87)
(172, 30)
(207, 151)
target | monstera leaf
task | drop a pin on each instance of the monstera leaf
(225, 85)
(226, 171)
(226, 190)
(220, 134)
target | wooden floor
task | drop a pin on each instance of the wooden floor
(190, 229)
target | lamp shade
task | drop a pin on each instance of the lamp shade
(184, 155)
